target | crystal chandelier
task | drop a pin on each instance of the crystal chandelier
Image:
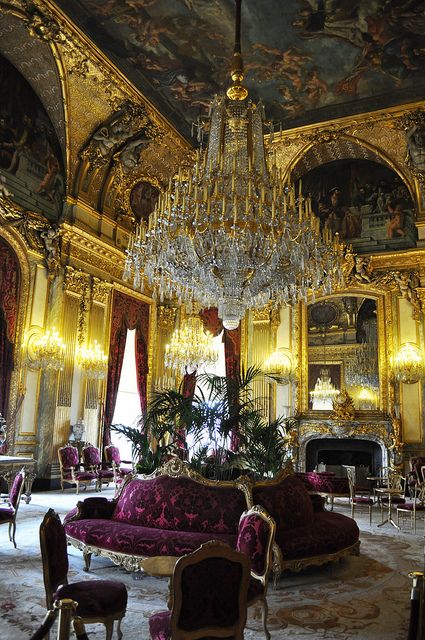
(48, 351)
(362, 367)
(324, 389)
(409, 364)
(92, 360)
(278, 364)
(190, 347)
(232, 233)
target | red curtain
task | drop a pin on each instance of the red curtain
(9, 297)
(127, 313)
(232, 351)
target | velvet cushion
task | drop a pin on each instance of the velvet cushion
(85, 475)
(159, 626)
(6, 514)
(107, 474)
(112, 454)
(176, 504)
(362, 500)
(324, 483)
(329, 533)
(15, 489)
(140, 541)
(409, 507)
(95, 597)
(91, 456)
(252, 540)
(210, 594)
(287, 502)
(69, 456)
(125, 471)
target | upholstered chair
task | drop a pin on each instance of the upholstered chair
(357, 498)
(255, 538)
(208, 590)
(70, 469)
(8, 514)
(103, 601)
(92, 462)
(113, 458)
(413, 507)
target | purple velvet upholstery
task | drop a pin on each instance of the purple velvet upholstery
(210, 591)
(96, 598)
(409, 506)
(91, 456)
(69, 456)
(159, 626)
(138, 540)
(6, 514)
(80, 475)
(252, 540)
(180, 504)
(324, 482)
(15, 489)
(329, 533)
(287, 502)
(112, 454)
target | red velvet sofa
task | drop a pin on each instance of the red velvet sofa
(306, 534)
(325, 483)
(170, 514)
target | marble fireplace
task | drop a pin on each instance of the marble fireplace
(365, 444)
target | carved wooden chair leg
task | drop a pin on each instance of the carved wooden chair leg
(87, 560)
(109, 625)
(119, 632)
(264, 614)
(12, 530)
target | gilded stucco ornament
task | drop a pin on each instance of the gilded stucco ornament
(38, 234)
(343, 407)
(101, 291)
(166, 317)
(414, 126)
(127, 129)
(360, 270)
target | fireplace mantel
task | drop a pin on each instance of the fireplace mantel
(379, 431)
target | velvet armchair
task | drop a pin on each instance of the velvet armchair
(70, 468)
(8, 514)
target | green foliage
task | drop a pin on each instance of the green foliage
(224, 408)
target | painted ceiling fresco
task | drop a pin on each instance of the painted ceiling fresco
(309, 60)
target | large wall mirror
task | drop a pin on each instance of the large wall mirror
(343, 352)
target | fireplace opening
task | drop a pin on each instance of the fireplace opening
(335, 453)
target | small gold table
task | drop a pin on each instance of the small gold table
(159, 566)
(387, 491)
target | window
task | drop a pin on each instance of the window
(127, 408)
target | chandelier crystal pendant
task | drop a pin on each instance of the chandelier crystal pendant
(232, 233)
(190, 348)
(93, 361)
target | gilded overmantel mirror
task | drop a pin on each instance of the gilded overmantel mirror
(344, 349)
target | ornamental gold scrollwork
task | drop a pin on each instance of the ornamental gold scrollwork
(166, 317)
(75, 281)
(101, 291)
(343, 407)
(37, 233)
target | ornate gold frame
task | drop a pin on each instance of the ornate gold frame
(385, 348)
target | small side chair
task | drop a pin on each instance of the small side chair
(70, 468)
(209, 590)
(113, 458)
(256, 536)
(103, 601)
(8, 514)
(358, 501)
(92, 462)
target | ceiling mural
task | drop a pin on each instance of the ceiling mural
(309, 60)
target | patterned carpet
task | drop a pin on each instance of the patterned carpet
(365, 597)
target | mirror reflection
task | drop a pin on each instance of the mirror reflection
(343, 352)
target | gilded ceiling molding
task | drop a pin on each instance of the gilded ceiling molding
(359, 270)
(91, 253)
(413, 123)
(36, 232)
(75, 281)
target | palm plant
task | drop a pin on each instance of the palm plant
(220, 408)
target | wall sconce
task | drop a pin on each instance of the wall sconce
(46, 351)
(278, 364)
(92, 360)
(409, 363)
